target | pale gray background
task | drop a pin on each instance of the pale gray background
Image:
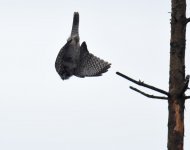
(39, 111)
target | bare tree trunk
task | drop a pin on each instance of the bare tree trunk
(177, 76)
(178, 83)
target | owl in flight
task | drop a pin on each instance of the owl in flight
(75, 59)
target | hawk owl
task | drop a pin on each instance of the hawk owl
(74, 59)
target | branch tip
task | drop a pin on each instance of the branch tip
(141, 83)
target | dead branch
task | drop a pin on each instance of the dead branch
(187, 97)
(187, 20)
(143, 84)
(148, 95)
(185, 87)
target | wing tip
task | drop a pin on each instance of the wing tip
(103, 70)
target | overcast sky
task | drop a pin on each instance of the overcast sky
(39, 111)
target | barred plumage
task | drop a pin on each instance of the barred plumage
(90, 65)
(74, 59)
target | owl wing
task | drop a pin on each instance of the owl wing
(60, 63)
(60, 55)
(90, 65)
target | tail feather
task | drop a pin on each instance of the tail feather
(75, 26)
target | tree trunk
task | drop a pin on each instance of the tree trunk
(178, 84)
(176, 100)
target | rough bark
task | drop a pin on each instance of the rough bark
(176, 100)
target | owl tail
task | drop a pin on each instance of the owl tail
(90, 65)
(75, 26)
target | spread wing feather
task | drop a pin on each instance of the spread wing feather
(89, 64)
